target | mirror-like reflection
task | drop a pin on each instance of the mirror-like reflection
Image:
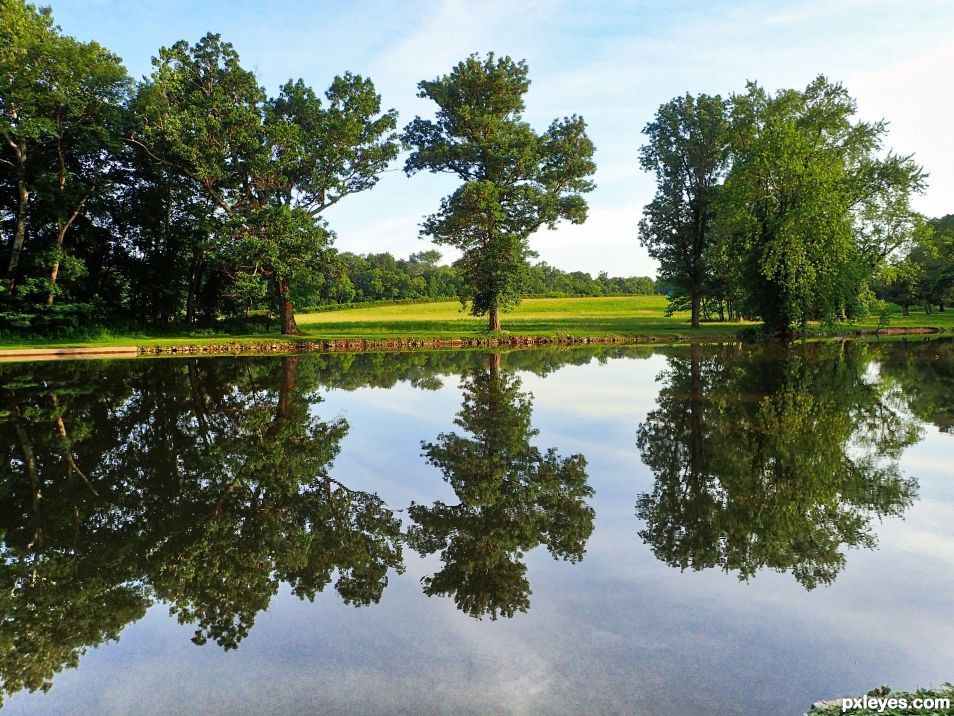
(207, 484)
(772, 458)
(512, 498)
(202, 484)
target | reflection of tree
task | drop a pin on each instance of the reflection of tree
(201, 483)
(771, 460)
(513, 497)
(255, 506)
(68, 577)
(924, 372)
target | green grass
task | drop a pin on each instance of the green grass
(642, 316)
(593, 317)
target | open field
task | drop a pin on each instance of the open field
(637, 316)
(618, 315)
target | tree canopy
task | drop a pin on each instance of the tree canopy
(271, 166)
(514, 179)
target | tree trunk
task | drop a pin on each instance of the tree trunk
(61, 228)
(287, 388)
(493, 322)
(195, 280)
(904, 309)
(286, 308)
(696, 307)
(55, 270)
(19, 235)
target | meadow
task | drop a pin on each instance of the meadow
(602, 317)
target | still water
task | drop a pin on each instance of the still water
(714, 529)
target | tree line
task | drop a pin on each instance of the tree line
(195, 194)
(359, 278)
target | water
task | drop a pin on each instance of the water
(715, 529)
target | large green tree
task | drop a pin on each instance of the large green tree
(805, 186)
(515, 180)
(62, 113)
(687, 149)
(271, 166)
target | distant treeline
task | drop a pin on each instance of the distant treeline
(382, 277)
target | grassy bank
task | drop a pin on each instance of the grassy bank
(624, 316)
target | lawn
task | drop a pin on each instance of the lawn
(642, 316)
(617, 315)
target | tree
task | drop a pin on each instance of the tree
(515, 180)
(801, 171)
(935, 252)
(62, 109)
(271, 166)
(688, 152)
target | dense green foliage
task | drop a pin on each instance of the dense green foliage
(779, 207)
(922, 274)
(688, 151)
(514, 179)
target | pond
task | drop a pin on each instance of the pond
(643, 530)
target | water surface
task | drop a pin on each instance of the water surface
(714, 529)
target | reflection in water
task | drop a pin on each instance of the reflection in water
(513, 497)
(200, 483)
(924, 372)
(778, 460)
(205, 483)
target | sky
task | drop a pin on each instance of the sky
(613, 63)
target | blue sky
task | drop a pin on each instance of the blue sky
(613, 63)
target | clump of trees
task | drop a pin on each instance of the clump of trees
(776, 206)
(191, 194)
(923, 274)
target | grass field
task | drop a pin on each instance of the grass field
(642, 316)
(618, 315)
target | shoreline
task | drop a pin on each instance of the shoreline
(359, 345)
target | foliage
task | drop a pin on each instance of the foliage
(800, 169)
(687, 150)
(271, 166)
(62, 112)
(515, 180)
